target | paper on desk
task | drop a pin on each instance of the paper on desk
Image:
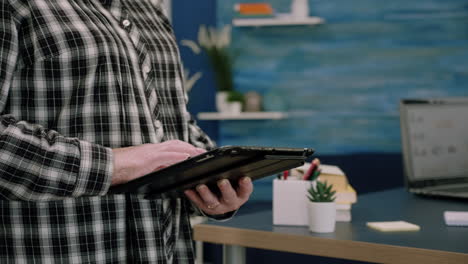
(456, 218)
(393, 226)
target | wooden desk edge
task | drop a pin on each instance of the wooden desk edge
(345, 249)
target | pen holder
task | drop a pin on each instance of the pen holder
(290, 202)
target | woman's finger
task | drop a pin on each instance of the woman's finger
(195, 198)
(177, 146)
(245, 188)
(228, 194)
(209, 198)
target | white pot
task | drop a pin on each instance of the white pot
(222, 104)
(235, 107)
(322, 217)
(300, 8)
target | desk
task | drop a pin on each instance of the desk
(434, 243)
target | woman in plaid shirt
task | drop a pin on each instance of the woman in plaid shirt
(91, 95)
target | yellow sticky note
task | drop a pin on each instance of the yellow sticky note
(393, 226)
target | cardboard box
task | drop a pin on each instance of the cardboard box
(290, 202)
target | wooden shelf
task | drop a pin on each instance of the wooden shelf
(241, 116)
(280, 20)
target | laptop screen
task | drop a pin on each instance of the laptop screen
(435, 138)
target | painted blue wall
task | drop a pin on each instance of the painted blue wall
(187, 16)
(342, 81)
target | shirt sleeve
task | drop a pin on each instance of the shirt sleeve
(198, 137)
(37, 163)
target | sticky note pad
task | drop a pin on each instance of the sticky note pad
(393, 226)
(456, 218)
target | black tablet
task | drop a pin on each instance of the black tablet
(229, 162)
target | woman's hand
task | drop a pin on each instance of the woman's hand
(229, 201)
(134, 162)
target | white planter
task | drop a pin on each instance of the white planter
(300, 8)
(222, 104)
(322, 217)
(234, 107)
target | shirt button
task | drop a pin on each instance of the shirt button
(146, 69)
(126, 23)
(158, 124)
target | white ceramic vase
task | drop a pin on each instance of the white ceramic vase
(322, 217)
(300, 8)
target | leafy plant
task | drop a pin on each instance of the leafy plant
(235, 96)
(321, 193)
(216, 43)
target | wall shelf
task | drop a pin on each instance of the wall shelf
(279, 20)
(241, 116)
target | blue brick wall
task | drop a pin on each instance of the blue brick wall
(342, 81)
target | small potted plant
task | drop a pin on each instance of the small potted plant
(236, 101)
(216, 44)
(322, 209)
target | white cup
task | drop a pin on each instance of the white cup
(300, 8)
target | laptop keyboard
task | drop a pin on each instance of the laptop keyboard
(462, 189)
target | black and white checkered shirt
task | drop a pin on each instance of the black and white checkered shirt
(77, 78)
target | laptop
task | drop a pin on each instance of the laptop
(228, 162)
(434, 134)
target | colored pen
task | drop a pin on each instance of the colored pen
(285, 174)
(313, 166)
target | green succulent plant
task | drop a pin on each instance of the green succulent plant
(235, 96)
(321, 193)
